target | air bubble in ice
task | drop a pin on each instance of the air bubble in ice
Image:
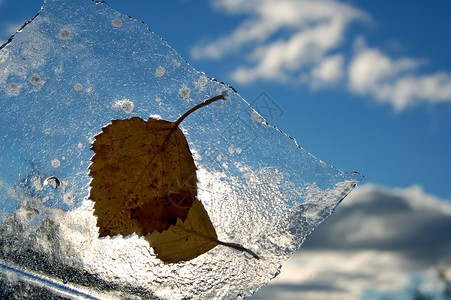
(64, 34)
(13, 86)
(231, 149)
(52, 181)
(125, 104)
(69, 197)
(184, 92)
(78, 86)
(116, 22)
(160, 71)
(35, 79)
(202, 80)
(13, 89)
(56, 163)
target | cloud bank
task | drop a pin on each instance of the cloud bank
(314, 29)
(375, 242)
(303, 41)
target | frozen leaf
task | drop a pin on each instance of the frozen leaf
(136, 166)
(144, 181)
(70, 71)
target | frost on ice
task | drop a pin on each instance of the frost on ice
(124, 104)
(67, 74)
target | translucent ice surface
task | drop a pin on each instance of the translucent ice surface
(76, 66)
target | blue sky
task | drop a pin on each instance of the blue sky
(362, 85)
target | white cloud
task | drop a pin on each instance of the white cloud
(395, 80)
(299, 41)
(377, 238)
(327, 72)
(314, 28)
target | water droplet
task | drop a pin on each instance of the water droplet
(160, 71)
(125, 104)
(116, 22)
(184, 92)
(35, 79)
(78, 86)
(56, 163)
(64, 34)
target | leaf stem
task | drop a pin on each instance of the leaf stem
(215, 240)
(239, 248)
(191, 110)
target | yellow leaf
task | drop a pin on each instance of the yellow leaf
(143, 177)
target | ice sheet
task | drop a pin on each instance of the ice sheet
(76, 66)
